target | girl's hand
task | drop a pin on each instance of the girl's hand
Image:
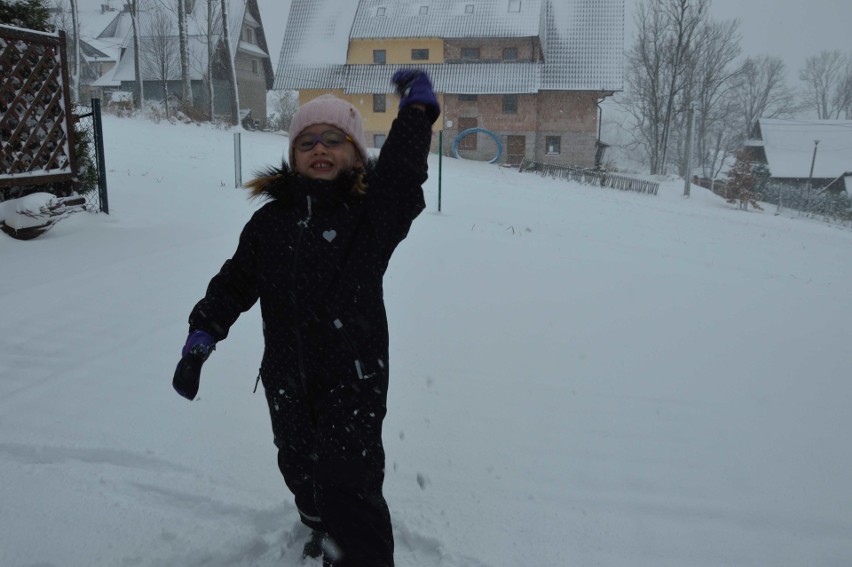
(415, 89)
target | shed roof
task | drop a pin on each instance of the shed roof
(789, 147)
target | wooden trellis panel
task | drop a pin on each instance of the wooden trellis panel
(36, 125)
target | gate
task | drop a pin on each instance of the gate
(35, 124)
(48, 145)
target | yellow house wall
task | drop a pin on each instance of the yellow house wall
(398, 51)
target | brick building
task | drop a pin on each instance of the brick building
(531, 72)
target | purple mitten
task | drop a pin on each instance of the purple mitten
(199, 343)
(414, 87)
(187, 376)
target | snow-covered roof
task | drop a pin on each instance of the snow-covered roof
(789, 147)
(504, 78)
(446, 18)
(582, 43)
(124, 70)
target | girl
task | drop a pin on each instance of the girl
(315, 256)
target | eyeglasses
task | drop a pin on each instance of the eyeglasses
(329, 139)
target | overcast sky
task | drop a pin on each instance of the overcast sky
(790, 29)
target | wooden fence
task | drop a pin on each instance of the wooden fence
(590, 177)
(36, 126)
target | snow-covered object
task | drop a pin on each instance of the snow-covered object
(30, 216)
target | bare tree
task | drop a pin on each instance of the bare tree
(75, 23)
(711, 72)
(186, 83)
(211, 53)
(844, 90)
(208, 23)
(657, 71)
(138, 88)
(161, 55)
(284, 106)
(180, 8)
(825, 76)
(230, 67)
(64, 18)
(760, 91)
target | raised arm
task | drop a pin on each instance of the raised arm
(396, 193)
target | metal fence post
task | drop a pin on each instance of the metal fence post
(440, 164)
(238, 161)
(99, 149)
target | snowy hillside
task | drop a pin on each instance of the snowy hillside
(580, 377)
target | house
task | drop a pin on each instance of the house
(97, 56)
(530, 72)
(96, 61)
(840, 185)
(790, 148)
(248, 44)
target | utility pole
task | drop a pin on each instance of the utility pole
(811, 176)
(690, 129)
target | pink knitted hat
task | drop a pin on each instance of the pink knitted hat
(328, 109)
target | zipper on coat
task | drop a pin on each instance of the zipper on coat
(303, 225)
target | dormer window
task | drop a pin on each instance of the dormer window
(381, 11)
(248, 35)
(468, 9)
(424, 10)
(514, 6)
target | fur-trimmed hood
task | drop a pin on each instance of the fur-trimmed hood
(285, 185)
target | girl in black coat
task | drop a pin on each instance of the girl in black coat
(315, 256)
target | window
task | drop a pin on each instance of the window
(379, 140)
(379, 103)
(248, 35)
(514, 6)
(420, 54)
(510, 54)
(380, 56)
(468, 98)
(468, 9)
(469, 141)
(255, 68)
(554, 145)
(381, 11)
(424, 10)
(470, 53)
(510, 104)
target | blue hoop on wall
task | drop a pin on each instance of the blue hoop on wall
(477, 131)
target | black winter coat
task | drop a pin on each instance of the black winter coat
(315, 256)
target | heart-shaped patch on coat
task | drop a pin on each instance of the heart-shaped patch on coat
(329, 235)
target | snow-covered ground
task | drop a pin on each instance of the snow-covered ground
(581, 377)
